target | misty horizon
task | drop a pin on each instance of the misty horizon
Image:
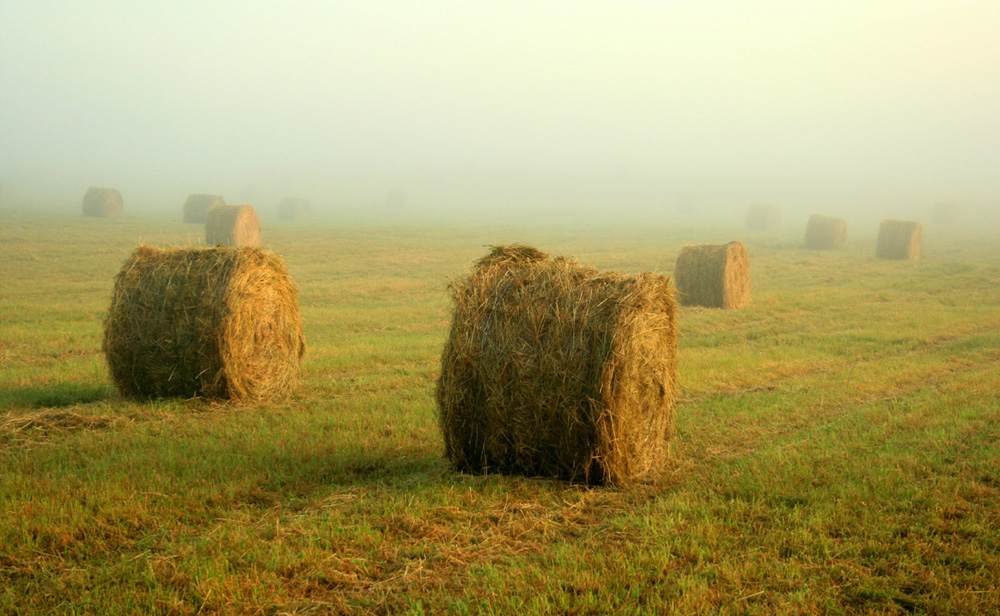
(679, 109)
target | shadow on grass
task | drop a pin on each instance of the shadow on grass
(387, 468)
(282, 480)
(53, 396)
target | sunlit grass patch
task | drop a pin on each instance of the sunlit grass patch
(836, 450)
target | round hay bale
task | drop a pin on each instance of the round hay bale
(102, 202)
(293, 208)
(555, 369)
(763, 217)
(713, 275)
(197, 205)
(899, 240)
(213, 322)
(826, 232)
(232, 225)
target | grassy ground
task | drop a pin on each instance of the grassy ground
(838, 444)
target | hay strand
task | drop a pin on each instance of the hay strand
(232, 225)
(215, 322)
(555, 369)
(102, 202)
(713, 275)
(899, 240)
(197, 206)
(826, 232)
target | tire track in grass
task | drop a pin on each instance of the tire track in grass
(727, 425)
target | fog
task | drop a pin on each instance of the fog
(676, 110)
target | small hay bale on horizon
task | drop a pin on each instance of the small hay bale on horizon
(232, 225)
(559, 370)
(944, 213)
(713, 275)
(763, 217)
(293, 208)
(211, 322)
(102, 202)
(899, 240)
(197, 206)
(826, 232)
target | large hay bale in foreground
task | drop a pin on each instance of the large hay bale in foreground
(292, 208)
(232, 225)
(826, 232)
(763, 217)
(102, 202)
(197, 206)
(713, 275)
(554, 369)
(899, 239)
(213, 322)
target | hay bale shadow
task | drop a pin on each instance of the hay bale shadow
(54, 396)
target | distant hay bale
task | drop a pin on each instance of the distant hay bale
(232, 225)
(555, 369)
(899, 239)
(713, 275)
(293, 208)
(763, 217)
(197, 205)
(944, 213)
(826, 232)
(213, 322)
(102, 202)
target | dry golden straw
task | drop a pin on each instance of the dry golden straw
(232, 225)
(197, 205)
(293, 208)
(212, 322)
(713, 275)
(555, 369)
(102, 202)
(763, 217)
(899, 239)
(826, 232)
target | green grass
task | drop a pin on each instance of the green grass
(838, 446)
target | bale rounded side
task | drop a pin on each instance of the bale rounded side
(102, 202)
(554, 369)
(216, 322)
(899, 240)
(826, 232)
(713, 275)
(232, 225)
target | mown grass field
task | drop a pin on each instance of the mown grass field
(838, 445)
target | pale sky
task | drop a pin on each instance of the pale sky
(485, 102)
